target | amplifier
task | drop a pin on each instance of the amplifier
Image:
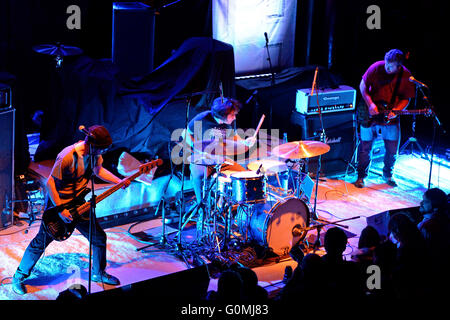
(330, 100)
(340, 136)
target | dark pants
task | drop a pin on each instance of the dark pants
(37, 246)
(391, 138)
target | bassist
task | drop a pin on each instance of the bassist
(69, 177)
(384, 87)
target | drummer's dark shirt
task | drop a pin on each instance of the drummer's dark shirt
(204, 127)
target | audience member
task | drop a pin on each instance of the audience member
(368, 241)
(306, 282)
(412, 264)
(435, 228)
(343, 278)
(251, 291)
(229, 288)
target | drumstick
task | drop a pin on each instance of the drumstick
(221, 91)
(259, 125)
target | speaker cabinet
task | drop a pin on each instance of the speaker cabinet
(7, 119)
(133, 38)
(340, 136)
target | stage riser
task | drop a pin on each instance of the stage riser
(137, 202)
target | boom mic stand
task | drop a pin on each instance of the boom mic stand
(322, 139)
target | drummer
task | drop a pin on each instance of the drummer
(219, 123)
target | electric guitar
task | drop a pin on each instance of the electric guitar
(384, 109)
(79, 208)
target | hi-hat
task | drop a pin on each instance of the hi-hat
(300, 149)
(224, 147)
(57, 50)
(268, 166)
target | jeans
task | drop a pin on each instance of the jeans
(391, 137)
(42, 239)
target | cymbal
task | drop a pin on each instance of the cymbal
(268, 166)
(57, 50)
(223, 147)
(300, 149)
(206, 160)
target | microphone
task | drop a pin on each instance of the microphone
(267, 38)
(84, 130)
(251, 97)
(417, 82)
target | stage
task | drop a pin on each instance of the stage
(66, 263)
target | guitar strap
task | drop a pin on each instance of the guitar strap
(397, 85)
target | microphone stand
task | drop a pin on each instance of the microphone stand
(272, 79)
(436, 123)
(91, 215)
(322, 139)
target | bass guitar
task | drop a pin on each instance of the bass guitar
(79, 208)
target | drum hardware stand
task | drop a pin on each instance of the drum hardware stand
(201, 204)
(163, 240)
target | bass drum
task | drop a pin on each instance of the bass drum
(274, 225)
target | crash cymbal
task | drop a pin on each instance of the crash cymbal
(300, 149)
(220, 147)
(57, 50)
(268, 166)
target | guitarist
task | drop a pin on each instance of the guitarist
(384, 86)
(69, 177)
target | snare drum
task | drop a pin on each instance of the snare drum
(248, 187)
(275, 225)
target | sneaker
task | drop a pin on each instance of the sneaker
(359, 183)
(391, 182)
(18, 286)
(105, 278)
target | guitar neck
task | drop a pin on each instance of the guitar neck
(86, 206)
(406, 112)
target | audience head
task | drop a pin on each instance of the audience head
(404, 231)
(434, 200)
(369, 238)
(229, 286)
(335, 241)
(312, 266)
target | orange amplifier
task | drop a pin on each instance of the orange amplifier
(337, 99)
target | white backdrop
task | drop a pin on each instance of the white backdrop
(242, 24)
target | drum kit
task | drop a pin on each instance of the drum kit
(257, 205)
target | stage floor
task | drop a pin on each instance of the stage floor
(66, 263)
